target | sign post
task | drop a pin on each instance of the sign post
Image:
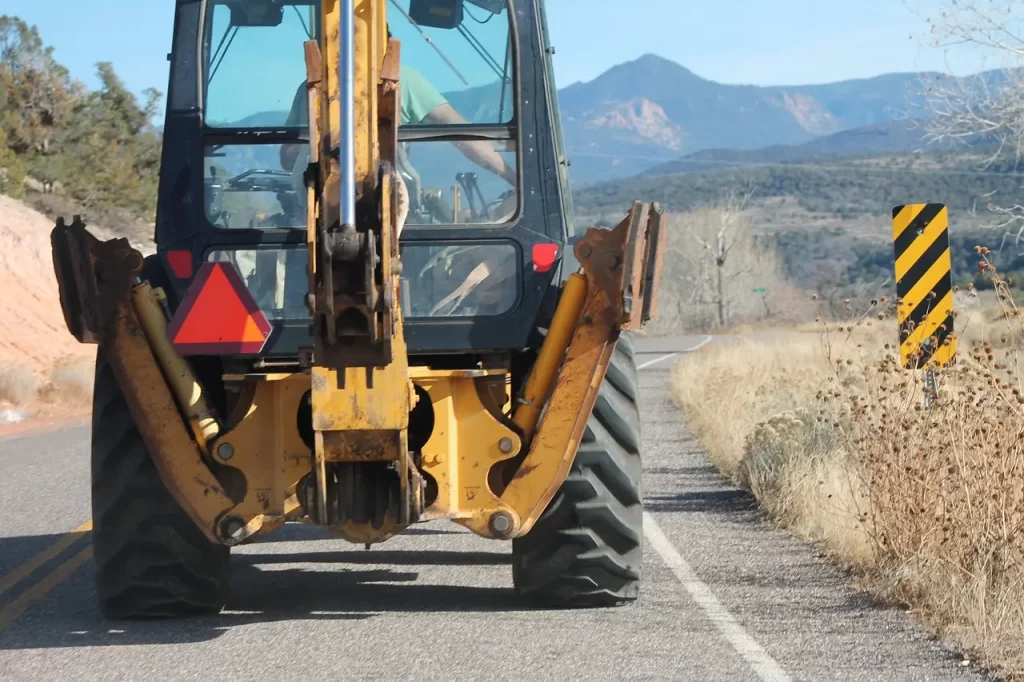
(924, 289)
(764, 298)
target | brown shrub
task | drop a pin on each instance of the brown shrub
(70, 381)
(17, 384)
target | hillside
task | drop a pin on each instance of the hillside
(893, 137)
(33, 335)
(843, 188)
(830, 219)
(651, 111)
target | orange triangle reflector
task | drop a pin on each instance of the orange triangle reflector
(218, 315)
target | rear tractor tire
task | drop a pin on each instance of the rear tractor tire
(586, 548)
(152, 561)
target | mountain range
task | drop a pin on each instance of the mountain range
(653, 115)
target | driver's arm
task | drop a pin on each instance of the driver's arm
(480, 152)
(422, 103)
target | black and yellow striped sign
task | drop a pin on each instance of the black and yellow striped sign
(924, 285)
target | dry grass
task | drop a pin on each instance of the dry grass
(68, 383)
(925, 504)
(17, 384)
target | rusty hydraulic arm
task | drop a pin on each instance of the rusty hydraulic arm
(97, 282)
(617, 291)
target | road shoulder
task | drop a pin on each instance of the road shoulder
(801, 609)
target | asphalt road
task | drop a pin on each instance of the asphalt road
(725, 597)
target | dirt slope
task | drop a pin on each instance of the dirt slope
(32, 331)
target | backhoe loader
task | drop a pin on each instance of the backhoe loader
(369, 307)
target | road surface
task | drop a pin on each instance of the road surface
(725, 597)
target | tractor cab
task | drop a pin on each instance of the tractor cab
(487, 212)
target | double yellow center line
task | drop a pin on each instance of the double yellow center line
(37, 592)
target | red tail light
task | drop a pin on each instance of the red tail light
(181, 263)
(544, 256)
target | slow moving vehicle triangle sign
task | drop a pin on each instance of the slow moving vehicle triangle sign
(218, 315)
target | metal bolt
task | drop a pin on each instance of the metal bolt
(613, 261)
(585, 250)
(225, 451)
(506, 445)
(133, 261)
(231, 529)
(501, 524)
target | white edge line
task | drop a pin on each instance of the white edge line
(766, 667)
(655, 361)
(706, 341)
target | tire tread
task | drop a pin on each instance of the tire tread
(152, 561)
(586, 548)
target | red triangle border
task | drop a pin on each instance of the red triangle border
(244, 295)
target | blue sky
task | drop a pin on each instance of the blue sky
(782, 42)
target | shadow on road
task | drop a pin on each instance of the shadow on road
(725, 502)
(298, 532)
(266, 587)
(699, 489)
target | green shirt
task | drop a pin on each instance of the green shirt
(419, 98)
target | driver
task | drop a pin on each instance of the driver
(421, 103)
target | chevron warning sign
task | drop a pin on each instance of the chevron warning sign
(924, 286)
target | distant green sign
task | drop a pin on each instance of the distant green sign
(761, 290)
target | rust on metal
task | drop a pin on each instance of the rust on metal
(361, 446)
(80, 263)
(99, 299)
(617, 265)
(657, 242)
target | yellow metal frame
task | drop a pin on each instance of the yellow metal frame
(465, 451)
(266, 447)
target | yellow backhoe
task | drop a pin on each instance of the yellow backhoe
(370, 307)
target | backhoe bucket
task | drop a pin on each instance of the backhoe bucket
(90, 273)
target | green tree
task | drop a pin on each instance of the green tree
(37, 93)
(113, 154)
(12, 173)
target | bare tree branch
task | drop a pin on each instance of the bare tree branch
(983, 112)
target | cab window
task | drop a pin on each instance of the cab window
(252, 72)
(458, 150)
(459, 75)
(253, 66)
